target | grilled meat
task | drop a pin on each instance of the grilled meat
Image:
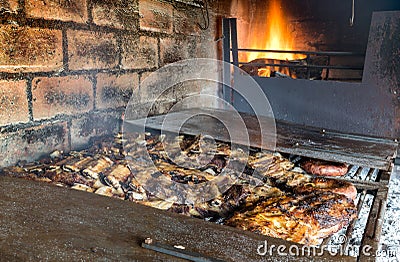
(97, 167)
(267, 197)
(235, 198)
(321, 184)
(217, 208)
(299, 183)
(305, 219)
(324, 168)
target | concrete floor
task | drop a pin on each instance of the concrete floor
(42, 222)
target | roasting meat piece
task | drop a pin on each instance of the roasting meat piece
(219, 207)
(267, 197)
(270, 165)
(322, 184)
(236, 198)
(324, 168)
(305, 219)
(299, 183)
(69, 179)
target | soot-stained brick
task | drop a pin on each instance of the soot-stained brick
(13, 102)
(26, 49)
(122, 14)
(34, 135)
(176, 49)
(91, 50)
(64, 10)
(186, 21)
(94, 125)
(112, 93)
(32, 143)
(139, 52)
(156, 16)
(77, 100)
(114, 90)
(61, 95)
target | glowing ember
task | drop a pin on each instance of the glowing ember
(266, 30)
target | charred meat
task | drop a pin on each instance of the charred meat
(305, 219)
(267, 196)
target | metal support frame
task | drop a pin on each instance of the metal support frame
(230, 38)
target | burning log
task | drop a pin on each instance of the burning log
(279, 74)
(286, 68)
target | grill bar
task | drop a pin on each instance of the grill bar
(373, 228)
(305, 66)
(326, 65)
(368, 183)
(326, 53)
(351, 226)
(347, 239)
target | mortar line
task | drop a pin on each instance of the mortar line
(93, 79)
(65, 49)
(29, 97)
(69, 135)
(89, 5)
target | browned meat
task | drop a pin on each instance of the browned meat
(324, 168)
(68, 178)
(305, 184)
(237, 197)
(267, 197)
(221, 206)
(303, 219)
(328, 185)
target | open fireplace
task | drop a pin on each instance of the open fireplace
(98, 96)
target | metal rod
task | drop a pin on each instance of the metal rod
(350, 228)
(373, 228)
(234, 42)
(176, 252)
(361, 184)
(370, 173)
(304, 66)
(328, 53)
(327, 70)
(326, 241)
(308, 68)
(235, 55)
(347, 79)
(379, 220)
(349, 169)
(352, 14)
(226, 53)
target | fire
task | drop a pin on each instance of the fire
(268, 31)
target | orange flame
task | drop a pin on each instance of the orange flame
(268, 31)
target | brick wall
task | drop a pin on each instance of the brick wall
(68, 68)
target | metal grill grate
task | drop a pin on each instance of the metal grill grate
(372, 189)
